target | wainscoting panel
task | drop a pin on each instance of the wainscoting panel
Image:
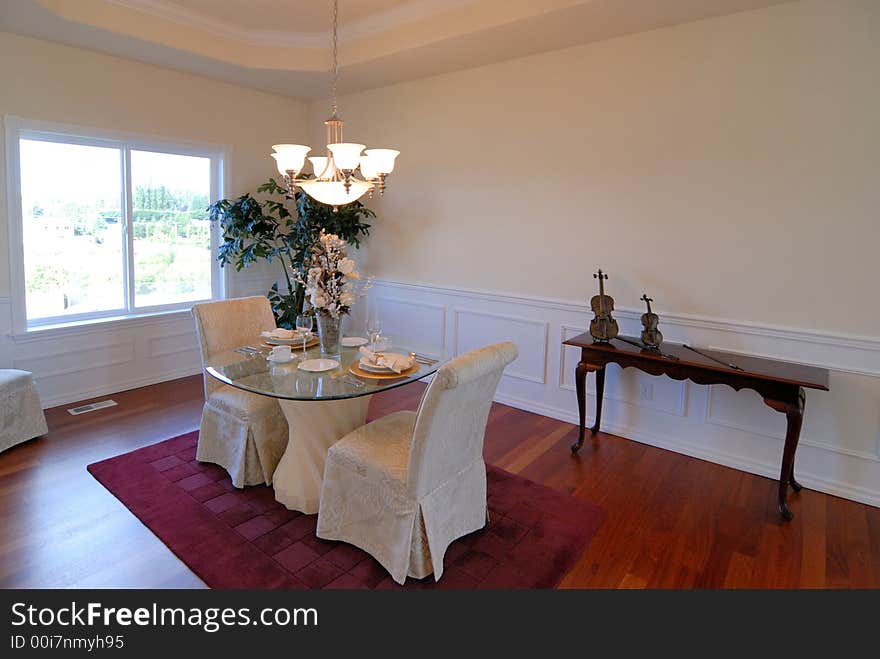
(625, 385)
(47, 365)
(164, 345)
(477, 328)
(75, 363)
(85, 361)
(411, 319)
(840, 447)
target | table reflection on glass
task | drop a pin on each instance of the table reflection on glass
(320, 408)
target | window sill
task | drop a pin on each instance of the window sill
(109, 323)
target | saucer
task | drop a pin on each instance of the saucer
(278, 360)
(354, 341)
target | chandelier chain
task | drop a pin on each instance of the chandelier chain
(335, 106)
(346, 174)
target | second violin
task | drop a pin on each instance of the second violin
(651, 336)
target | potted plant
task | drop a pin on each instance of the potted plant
(255, 229)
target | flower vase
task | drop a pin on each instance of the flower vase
(329, 334)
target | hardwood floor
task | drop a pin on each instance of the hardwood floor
(673, 521)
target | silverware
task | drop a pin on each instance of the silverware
(421, 359)
(347, 378)
(714, 359)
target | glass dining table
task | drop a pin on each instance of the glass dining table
(320, 407)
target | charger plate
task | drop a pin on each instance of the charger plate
(293, 343)
(361, 373)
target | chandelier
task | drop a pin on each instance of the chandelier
(347, 172)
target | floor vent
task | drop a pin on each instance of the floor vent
(91, 407)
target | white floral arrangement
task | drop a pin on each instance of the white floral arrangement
(331, 279)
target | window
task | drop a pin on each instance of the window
(109, 227)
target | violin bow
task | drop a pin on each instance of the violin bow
(637, 344)
(714, 359)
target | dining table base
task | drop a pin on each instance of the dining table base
(314, 426)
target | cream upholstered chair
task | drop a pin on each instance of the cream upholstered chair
(21, 415)
(243, 432)
(405, 486)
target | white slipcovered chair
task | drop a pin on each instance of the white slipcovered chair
(22, 415)
(405, 486)
(242, 432)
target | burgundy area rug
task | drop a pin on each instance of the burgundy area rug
(245, 539)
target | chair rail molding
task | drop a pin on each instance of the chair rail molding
(854, 349)
(837, 457)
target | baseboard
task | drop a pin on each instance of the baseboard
(808, 480)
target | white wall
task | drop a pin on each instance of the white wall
(685, 160)
(728, 167)
(52, 82)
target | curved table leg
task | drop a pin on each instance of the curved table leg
(314, 427)
(580, 380)
(600, 396)
(794, 414)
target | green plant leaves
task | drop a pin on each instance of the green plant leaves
(254, 230)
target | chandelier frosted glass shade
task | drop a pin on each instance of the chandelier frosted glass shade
(346, 156)
(290, 157)
(333, 193)
(368, 168)
(381, 160)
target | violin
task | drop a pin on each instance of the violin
(651, 336)
(603, 327)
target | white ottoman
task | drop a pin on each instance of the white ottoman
(21, 416)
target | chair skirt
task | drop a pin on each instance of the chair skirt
(407, 536)
(21, 415)
(248, 445)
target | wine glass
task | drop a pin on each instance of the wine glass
(374, 327)
(304, 327)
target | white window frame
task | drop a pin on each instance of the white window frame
(17, 129)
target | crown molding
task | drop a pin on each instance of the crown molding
(173, 12)
(410, 12)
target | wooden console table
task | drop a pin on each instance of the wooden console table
(780, 384)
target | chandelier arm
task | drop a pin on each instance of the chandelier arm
(295, 181)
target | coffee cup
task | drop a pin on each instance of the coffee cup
(280, 354)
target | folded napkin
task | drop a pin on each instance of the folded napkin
(280, 333)
(396, 362)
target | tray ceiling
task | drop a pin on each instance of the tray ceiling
(283, 46)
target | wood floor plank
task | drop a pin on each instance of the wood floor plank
(672, 521)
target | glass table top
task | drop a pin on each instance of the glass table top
(256, 374)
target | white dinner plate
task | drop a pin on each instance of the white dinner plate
(318, 365)
(354, 341)
(272, 341)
